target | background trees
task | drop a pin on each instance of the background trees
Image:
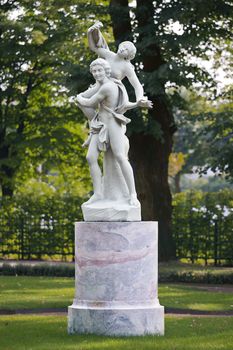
(39, 126)
(46, 61)
(170, 36)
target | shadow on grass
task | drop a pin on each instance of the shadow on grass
(49, 333)
(193, 298)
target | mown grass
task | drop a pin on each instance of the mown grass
(190, 296)
(55, 292)
(49, 333)
(24, 292)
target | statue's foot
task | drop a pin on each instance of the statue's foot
(94, 198)
(133, 200)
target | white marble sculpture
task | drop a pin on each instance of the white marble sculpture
(104, 104)
(116, 254)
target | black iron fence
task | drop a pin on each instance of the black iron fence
(43, 227)
(203, 226)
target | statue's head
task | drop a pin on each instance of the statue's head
(100, 65)
(127, 50)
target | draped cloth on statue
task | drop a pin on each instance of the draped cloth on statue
(98, 127)
(114, 188)
(113, 183)
(99, 40)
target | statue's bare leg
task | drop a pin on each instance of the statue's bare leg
(92, 158)
(118, 146)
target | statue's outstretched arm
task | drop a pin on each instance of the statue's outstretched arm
(143, 103)
(94, 100)
(90, 91)
(133, 79)
(89, 112)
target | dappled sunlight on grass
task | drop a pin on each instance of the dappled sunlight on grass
(47, 332)
(191, 297)
(205, 306)
(35, 292)
(50, 292)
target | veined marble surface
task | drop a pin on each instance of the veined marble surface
(116, 289)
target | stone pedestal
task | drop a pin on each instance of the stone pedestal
(116, 290)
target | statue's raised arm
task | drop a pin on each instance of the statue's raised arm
(96, 41)
(119, 62)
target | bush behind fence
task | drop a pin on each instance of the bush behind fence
(202, 226)
(39, 228)
(42, 227)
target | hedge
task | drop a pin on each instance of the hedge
(202, 226)
(199, 276)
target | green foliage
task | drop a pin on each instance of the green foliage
(205, 133)
(38, 124)
(197, 277)
(42, 269)
(202, 225)
(217, 132)
(183, 29)
(39, 225)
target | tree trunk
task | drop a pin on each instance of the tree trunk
(149, 154)
(177, 182)
(119, 12)
(6, 174)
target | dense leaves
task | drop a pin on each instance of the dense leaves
(45, 61)
(41, 41)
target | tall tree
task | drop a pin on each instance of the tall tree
(168, 35)
(39, 42)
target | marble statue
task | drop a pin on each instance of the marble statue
(116, 254)
(105, 104)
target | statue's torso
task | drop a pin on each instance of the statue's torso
(118, 67)
(111, 101)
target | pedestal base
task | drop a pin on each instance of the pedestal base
(116, 322)
(105, 210)
(116, 274)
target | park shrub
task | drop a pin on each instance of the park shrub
(42, 269)
(60, 270)
(39, 227)
(197, 277)
(202, 226)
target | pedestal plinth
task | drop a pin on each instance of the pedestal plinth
(116, 279)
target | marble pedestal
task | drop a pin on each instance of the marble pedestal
(116, 290)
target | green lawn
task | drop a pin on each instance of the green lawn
(190, 296)
(35, 292)
(54, 292)
(49, 333)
